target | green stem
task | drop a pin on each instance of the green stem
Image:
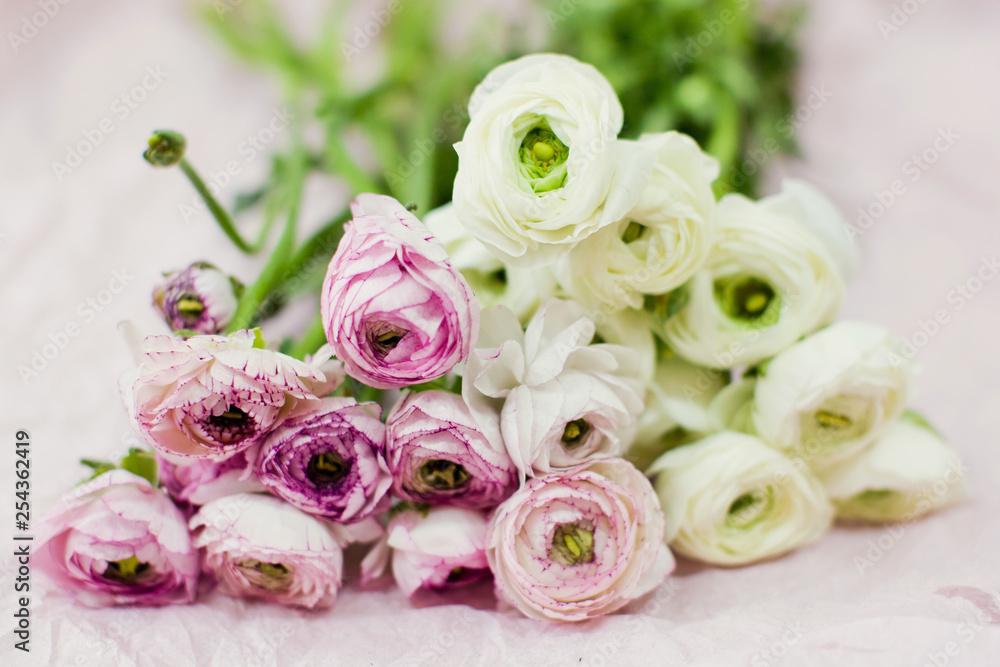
(271, 274)
(219, 213)
(315, 337)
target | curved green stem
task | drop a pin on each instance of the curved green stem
(219, 213)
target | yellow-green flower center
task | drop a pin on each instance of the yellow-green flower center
(543, 159)
(574, 433)
(748, 300)
(572, 544)
(749, 508)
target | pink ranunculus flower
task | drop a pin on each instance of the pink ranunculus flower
(115, 540)
(437, 548)
(194, 482)
(395, 310)
(258, 546)
(212, 396)
(573, 545)
(437, 454)
(329, 460)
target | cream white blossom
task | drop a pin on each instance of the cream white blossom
(908, 472)
(772, 277)
(732, 500)
(828, 397)
(540, 167)
(550, 397)
(659, 244)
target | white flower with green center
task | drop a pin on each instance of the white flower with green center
(828, 397)
(908, 472)
(778, 271)
(729, 499)
(540, 167)
(661, 242)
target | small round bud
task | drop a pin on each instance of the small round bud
(166, 148)
(198, 300)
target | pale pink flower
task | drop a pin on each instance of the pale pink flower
(116, 540)
(212, 396)
(395, 310)
(437, 454)
(573, 545)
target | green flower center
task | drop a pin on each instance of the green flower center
(443, 475)
(749, 508)
(128, 571)
(385, 339)
(574, 433)
(268, 576)
(633, 232)
(572, 544)
(326, 469)
(543, 159)
(748, 300)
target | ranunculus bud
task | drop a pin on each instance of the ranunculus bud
(578, 544)
(437, 454)
(200, 298)
(729, 499)
(394, 309)
(328, 460)
(116, 540)
(257, 546)
(166, 148)
(212, 396)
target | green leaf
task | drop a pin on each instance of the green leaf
(142, 463)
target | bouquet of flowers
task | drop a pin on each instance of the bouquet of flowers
(581, 365)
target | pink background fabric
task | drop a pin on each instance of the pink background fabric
(930, 591)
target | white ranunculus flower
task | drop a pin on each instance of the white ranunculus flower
(826, 398)
(661, 242)
(630, 328)
(540, 167)
(908, 472)
(493, 282)
(772, 277)
(732, 500)
(550, 397)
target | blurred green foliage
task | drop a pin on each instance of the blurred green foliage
(719, 70)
